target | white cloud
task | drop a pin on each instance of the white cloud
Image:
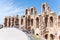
(7, 8)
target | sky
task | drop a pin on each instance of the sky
(13, 7)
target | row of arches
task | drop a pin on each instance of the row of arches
(51, 19)
(30, 21)
(11, 21)
(51, 37)
(30, 11)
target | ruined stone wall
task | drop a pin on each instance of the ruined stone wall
(47, 22)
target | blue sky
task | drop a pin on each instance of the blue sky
(13, 7)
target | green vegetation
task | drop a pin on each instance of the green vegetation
(36, 37)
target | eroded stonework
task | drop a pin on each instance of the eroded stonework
(45, 24)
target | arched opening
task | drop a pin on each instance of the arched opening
(17, 22)
(59, 37)
(43, 8)
(28, 22)
(32, 11)
(12, 22)
(51, 21)
(46, 36)
(59, 20)
(5, 22)
(37, 22)
(21, 21)
(26, 11)
(31, 22)
(46, 20)
(9, 22)
(51, 37)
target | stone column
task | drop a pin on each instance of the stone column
(48, 36)
(48, 23)
(11, 22)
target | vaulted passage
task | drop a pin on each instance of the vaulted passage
(46, 36)
(51, 37)
(59, 37)
(28, 22)
(37, 22)
(21, 21)
(9, 22)
(26, 11)
(46, 20)
(59, 20)
(12, 22)
(5, 22)
(51, 21)
(17, 22)
(43, 7)
(32, 11)
(31, 22)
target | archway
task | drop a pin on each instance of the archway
(44, 7)
(26, 12)
(46, 36)
(9, 22)
(59, 37)
(51, 37)
(21, 21)
(12, 22)
(37, 22)
(5, 22)
(31, 22)
(28, 22)
(59, 20)
(17, 22)
(51, 21)
(32, 11)
(46, 20)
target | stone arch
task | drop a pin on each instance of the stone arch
(9, 22)
(46, 36)
(5, 24)
(51, 37)
(37, 22)
(32, 11)
(51, 21)
(43, 7)
(12, 22)
(26, 12)
(28, 20)
(59, 20)
(46, 20)
(31, 22)
(59, 37)
(21, 21)
(17, 21)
